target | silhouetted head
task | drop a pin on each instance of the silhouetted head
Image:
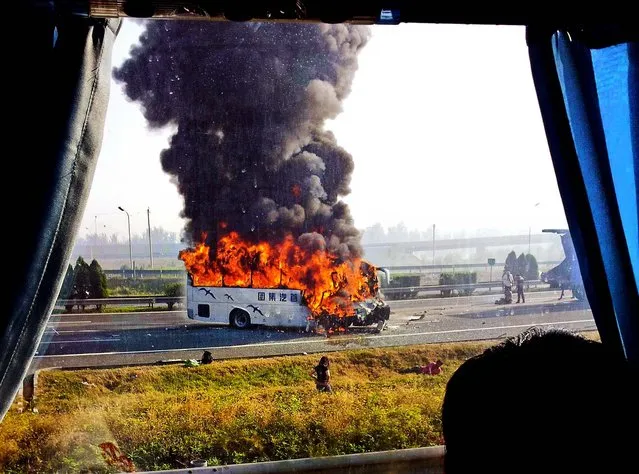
(544, 401)
(324, 361)
(439, 363)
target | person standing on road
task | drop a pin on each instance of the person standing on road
(519, 284)
(322, 375)
(507, 281)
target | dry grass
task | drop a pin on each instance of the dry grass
(234, 411)
(230, 411)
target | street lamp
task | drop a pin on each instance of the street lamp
(128, 220)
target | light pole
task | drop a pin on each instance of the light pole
(148, 219)
(128, 220)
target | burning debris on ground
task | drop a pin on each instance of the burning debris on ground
(261, 177)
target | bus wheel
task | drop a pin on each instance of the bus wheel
(240, 319)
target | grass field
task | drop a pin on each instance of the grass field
(227, 412)
(236, 411)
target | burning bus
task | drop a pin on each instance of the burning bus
(261, 175)
(280, 285)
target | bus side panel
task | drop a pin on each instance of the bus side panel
(268, 307)
(277, 307)
(205, 308)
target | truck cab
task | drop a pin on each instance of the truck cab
(567, 274)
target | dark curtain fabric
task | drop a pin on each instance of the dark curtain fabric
(57, 71)
(584, 161)
(633, 96)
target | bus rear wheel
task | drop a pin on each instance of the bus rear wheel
(240, 319)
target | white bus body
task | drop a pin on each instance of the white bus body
(245, 307)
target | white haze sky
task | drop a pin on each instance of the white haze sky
(442, 122)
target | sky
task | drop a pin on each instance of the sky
(442, 122)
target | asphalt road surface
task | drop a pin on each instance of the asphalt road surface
(108, 339)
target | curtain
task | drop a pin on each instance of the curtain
(57, 73)
(586, 83)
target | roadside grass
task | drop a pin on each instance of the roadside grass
(233, 411)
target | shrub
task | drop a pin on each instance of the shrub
(532, 268)
(175, 290)
(511, 262)
(141, 286)
(458, 278)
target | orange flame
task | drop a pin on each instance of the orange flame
(329, 285)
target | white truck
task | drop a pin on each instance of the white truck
(277, 307)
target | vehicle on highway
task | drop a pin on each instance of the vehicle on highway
(566, 275)
(275, 307)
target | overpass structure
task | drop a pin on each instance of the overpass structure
(388, 254)
(473, 242)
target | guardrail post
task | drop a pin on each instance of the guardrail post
(28, 390)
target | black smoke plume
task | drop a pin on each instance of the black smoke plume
(249, 102)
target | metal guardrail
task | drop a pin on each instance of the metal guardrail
(413, 460)
(152, 300)
(146, 273)
(124, 300)
(461, 286)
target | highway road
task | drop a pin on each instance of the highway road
(105, 339)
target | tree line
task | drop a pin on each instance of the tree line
(524, 265)
(84, 281)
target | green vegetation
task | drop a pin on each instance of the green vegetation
(532, 268)
(90, 281)
(97, 281)
(142, 286)
(403, 280)
(84, 281)
(174, 289)
(524, 265)
(511, 262)
(235, 411)
(458, 278)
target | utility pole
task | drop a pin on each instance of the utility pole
(128, 220)
(148, 219)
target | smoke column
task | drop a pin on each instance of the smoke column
(249, 102)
